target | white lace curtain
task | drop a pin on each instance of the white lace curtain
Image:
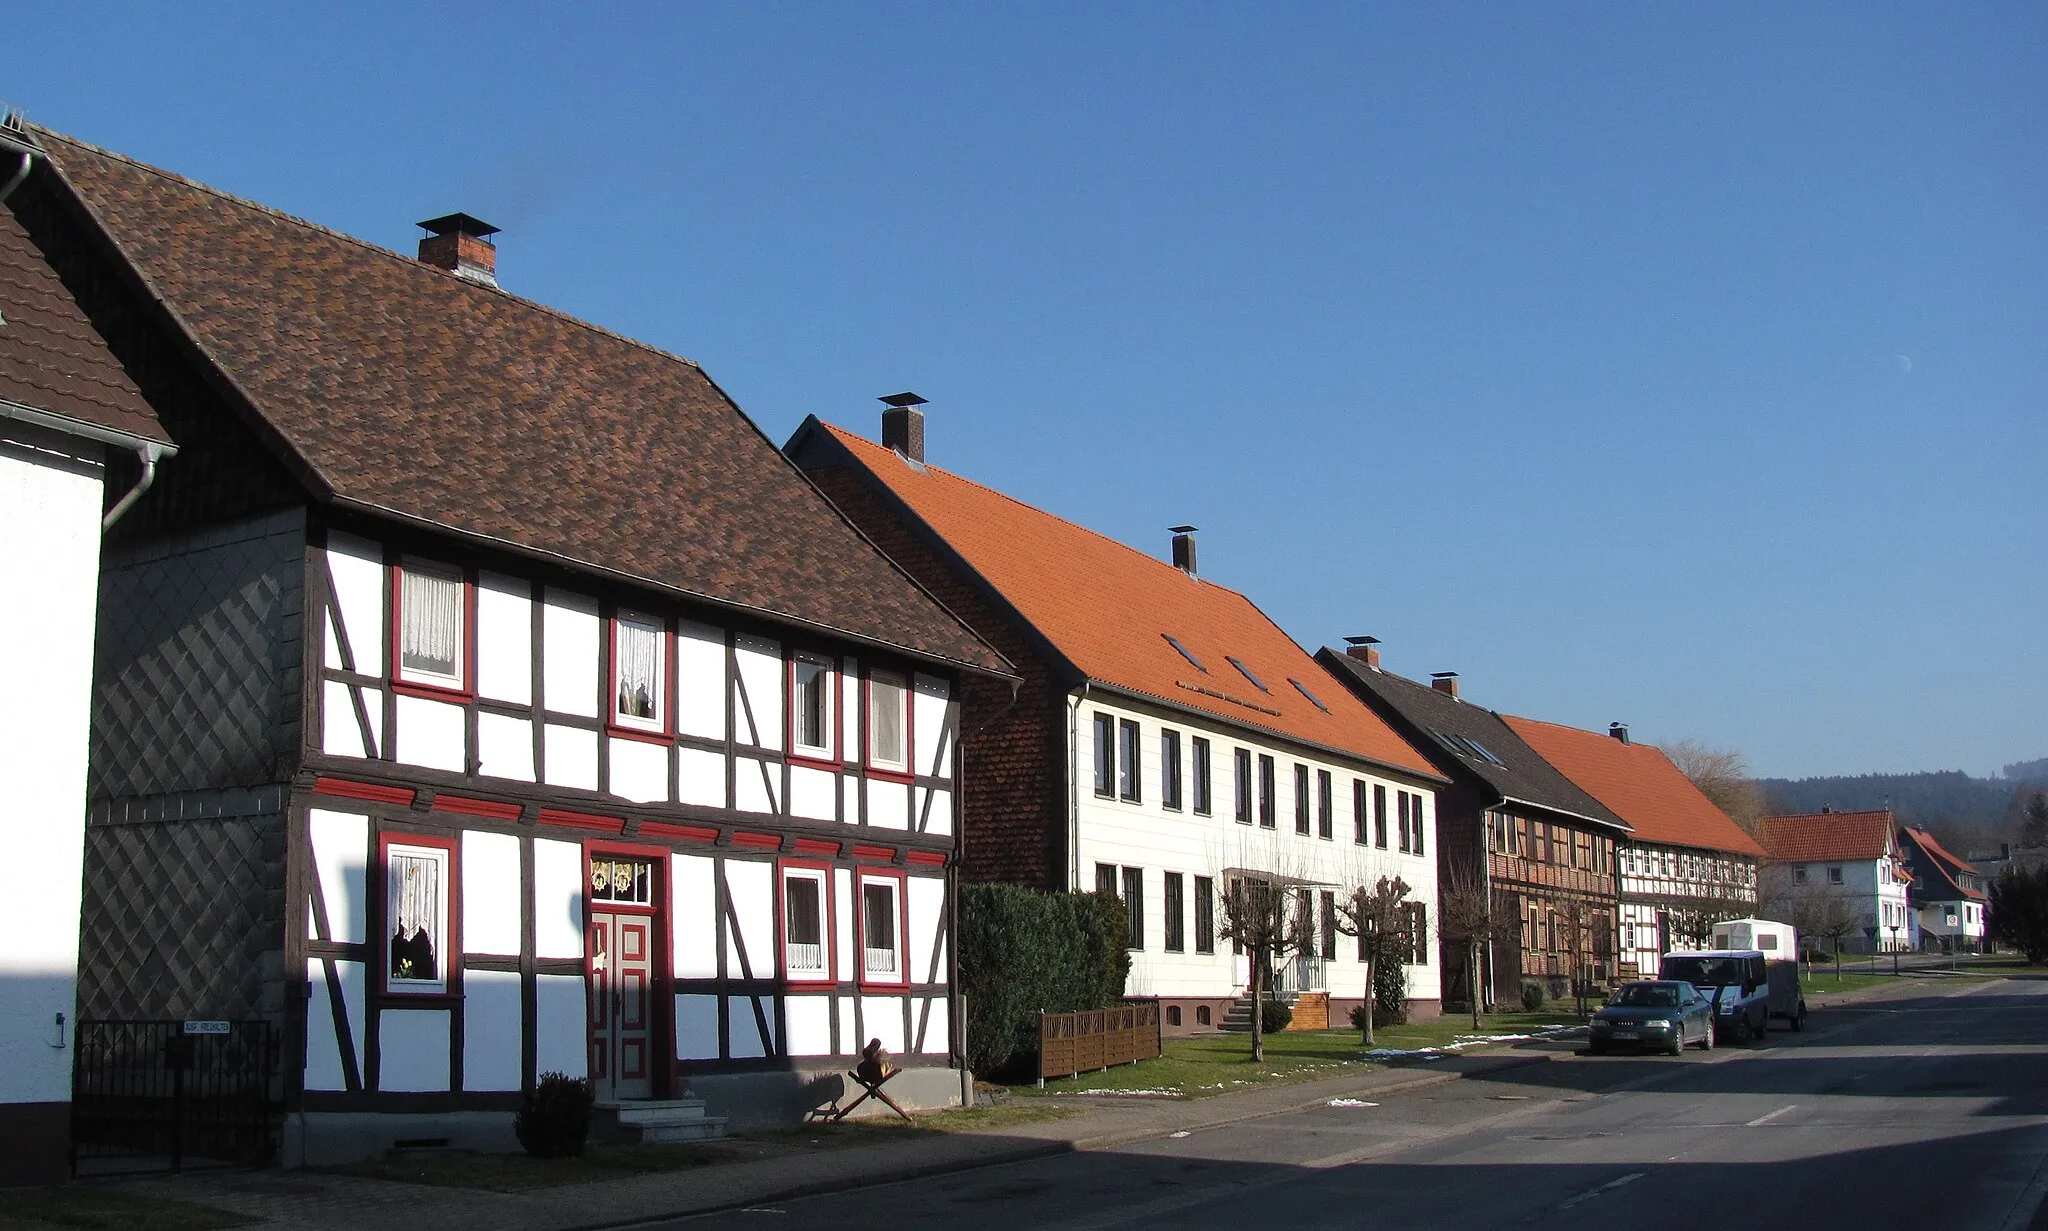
(639, 670)
(433, 622)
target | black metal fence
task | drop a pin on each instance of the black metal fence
(151, 1095)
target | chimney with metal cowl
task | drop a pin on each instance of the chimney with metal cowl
(903, 425)
(1366, 649)
(461, 245)
(1445, 682)
(1618, 730)
(1184, 548)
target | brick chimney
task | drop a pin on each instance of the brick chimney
(1365, 649)
(1618, 730)
(461, 245)
(1184, 548)
(1445, 682)
(903, 425)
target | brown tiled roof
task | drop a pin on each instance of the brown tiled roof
(1109, 609)
(1943, 864)
(1640, 784)
(1814, 836)
(51, 358)
(404, 390)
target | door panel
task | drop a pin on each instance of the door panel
(621, 1020)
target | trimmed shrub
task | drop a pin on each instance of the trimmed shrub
(554, 1117)
(1022, 951)
(1390, 993)
(1532, 997)
(1274, 1015)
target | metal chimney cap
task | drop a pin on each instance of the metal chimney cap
(903, 399)
(1361, 641)
(1443, 675)
(1182, 529)
(459, 224)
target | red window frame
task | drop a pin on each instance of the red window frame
(835, 717)
(867, 720)
(861, 877)
(451, 944)
(828, 923)
(613, 724)
(395, 578)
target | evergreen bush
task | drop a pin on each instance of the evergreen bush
(554, 1117)
(1022, 951)
(1532, 997)
(1274, 1015)
(1389, 993)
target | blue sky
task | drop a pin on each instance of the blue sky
(1678, 366)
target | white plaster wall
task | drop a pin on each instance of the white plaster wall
(50, 552)
(557, 898)
(571, 655)
(569, 756)
(842, 926)
(888, 804)
(323, 1047)
(504, 746)
(700, 777)
(934, 744)
(813, 793)
(412, 1050)
(761, 671)
(847, 1040)
(882, 1018)
(697, 1027)
(1145, 835)
(341, 853)
(357, 568)
(504, 638)
(490, 894)
(430, 734)
(744, 1032)
(561, 1036)
(490, 1046)
(693, 917)
(937, 1028)
(750, 886)
(927, 905)
(342, 727)
(700, 680)
(934, 810)
(850, 701)
(810, 1025)
(639, 771)
(753, 790)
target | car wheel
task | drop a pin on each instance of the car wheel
(1707, 1040)
(1799, 1018)
(1596, 1049)
(1678, 1041)
(1738, 1031)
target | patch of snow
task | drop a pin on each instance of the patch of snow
(1351, 1102)
(1128, 1094)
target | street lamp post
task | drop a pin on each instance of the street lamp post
(1895, 948)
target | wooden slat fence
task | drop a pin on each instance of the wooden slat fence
(1082, 1042)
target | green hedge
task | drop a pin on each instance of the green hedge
(1022, 952)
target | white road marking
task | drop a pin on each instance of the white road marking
(1766, 1119)
(1609, 1186)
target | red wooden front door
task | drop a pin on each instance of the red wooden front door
(621, 978)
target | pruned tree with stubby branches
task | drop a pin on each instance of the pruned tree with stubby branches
(1261, 917)
(1575, 918)
(1692, 920)
(1378, 915)
(1466, 912)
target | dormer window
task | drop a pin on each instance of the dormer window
(433, 632)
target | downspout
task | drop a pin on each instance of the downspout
(28, 159)
(1486, 886)
(1074, 789)
(148, 455)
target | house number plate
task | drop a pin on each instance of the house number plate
(206, 1027)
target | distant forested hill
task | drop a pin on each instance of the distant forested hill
(1960, 810)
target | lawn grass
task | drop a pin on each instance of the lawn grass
(520, 1172)
(1823, 980)
(74, 1206)
(1215, 1064)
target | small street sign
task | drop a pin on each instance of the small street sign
(199, 1027)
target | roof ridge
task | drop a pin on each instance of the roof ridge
(836, 430)
(293, 219)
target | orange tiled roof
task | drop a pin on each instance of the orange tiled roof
(1109, 609)
(1640, 784)
(1816, 836)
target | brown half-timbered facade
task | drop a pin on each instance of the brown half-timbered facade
(1510, 827)
(483, 696)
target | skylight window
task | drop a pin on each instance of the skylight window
(1483, 750)
(1246, 672)
(1312, 698)
(1184, 652)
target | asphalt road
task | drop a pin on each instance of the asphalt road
(1930, 1112)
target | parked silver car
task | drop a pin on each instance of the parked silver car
(1663, 1014)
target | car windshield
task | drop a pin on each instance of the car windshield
(1648, 996)
(1704, 971)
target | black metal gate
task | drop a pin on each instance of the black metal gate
(152, 1095)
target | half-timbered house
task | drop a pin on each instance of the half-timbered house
(1685, 865)
(77, 440)
(1167, 740)
(488, 697)
(1537, 849)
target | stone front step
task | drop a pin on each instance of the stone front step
(626, 1121)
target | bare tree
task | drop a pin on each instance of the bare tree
(1814, 911)
(1379, 917)
(1465, 911)
(1259, 916)
(1723, 778)
(1692, 920)
(1575, 918)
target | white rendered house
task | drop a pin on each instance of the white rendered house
(1947, 895)
(1853, 859)
(1167, 739)
(69, 418)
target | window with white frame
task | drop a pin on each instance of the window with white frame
(804, 951)
(416, 885)
(888, 722)
(811, 707)
(881, 940)
(432, 632)
(639, 671)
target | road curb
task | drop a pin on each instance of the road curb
(1025, 1152)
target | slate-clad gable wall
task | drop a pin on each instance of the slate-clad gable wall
(197, 679)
